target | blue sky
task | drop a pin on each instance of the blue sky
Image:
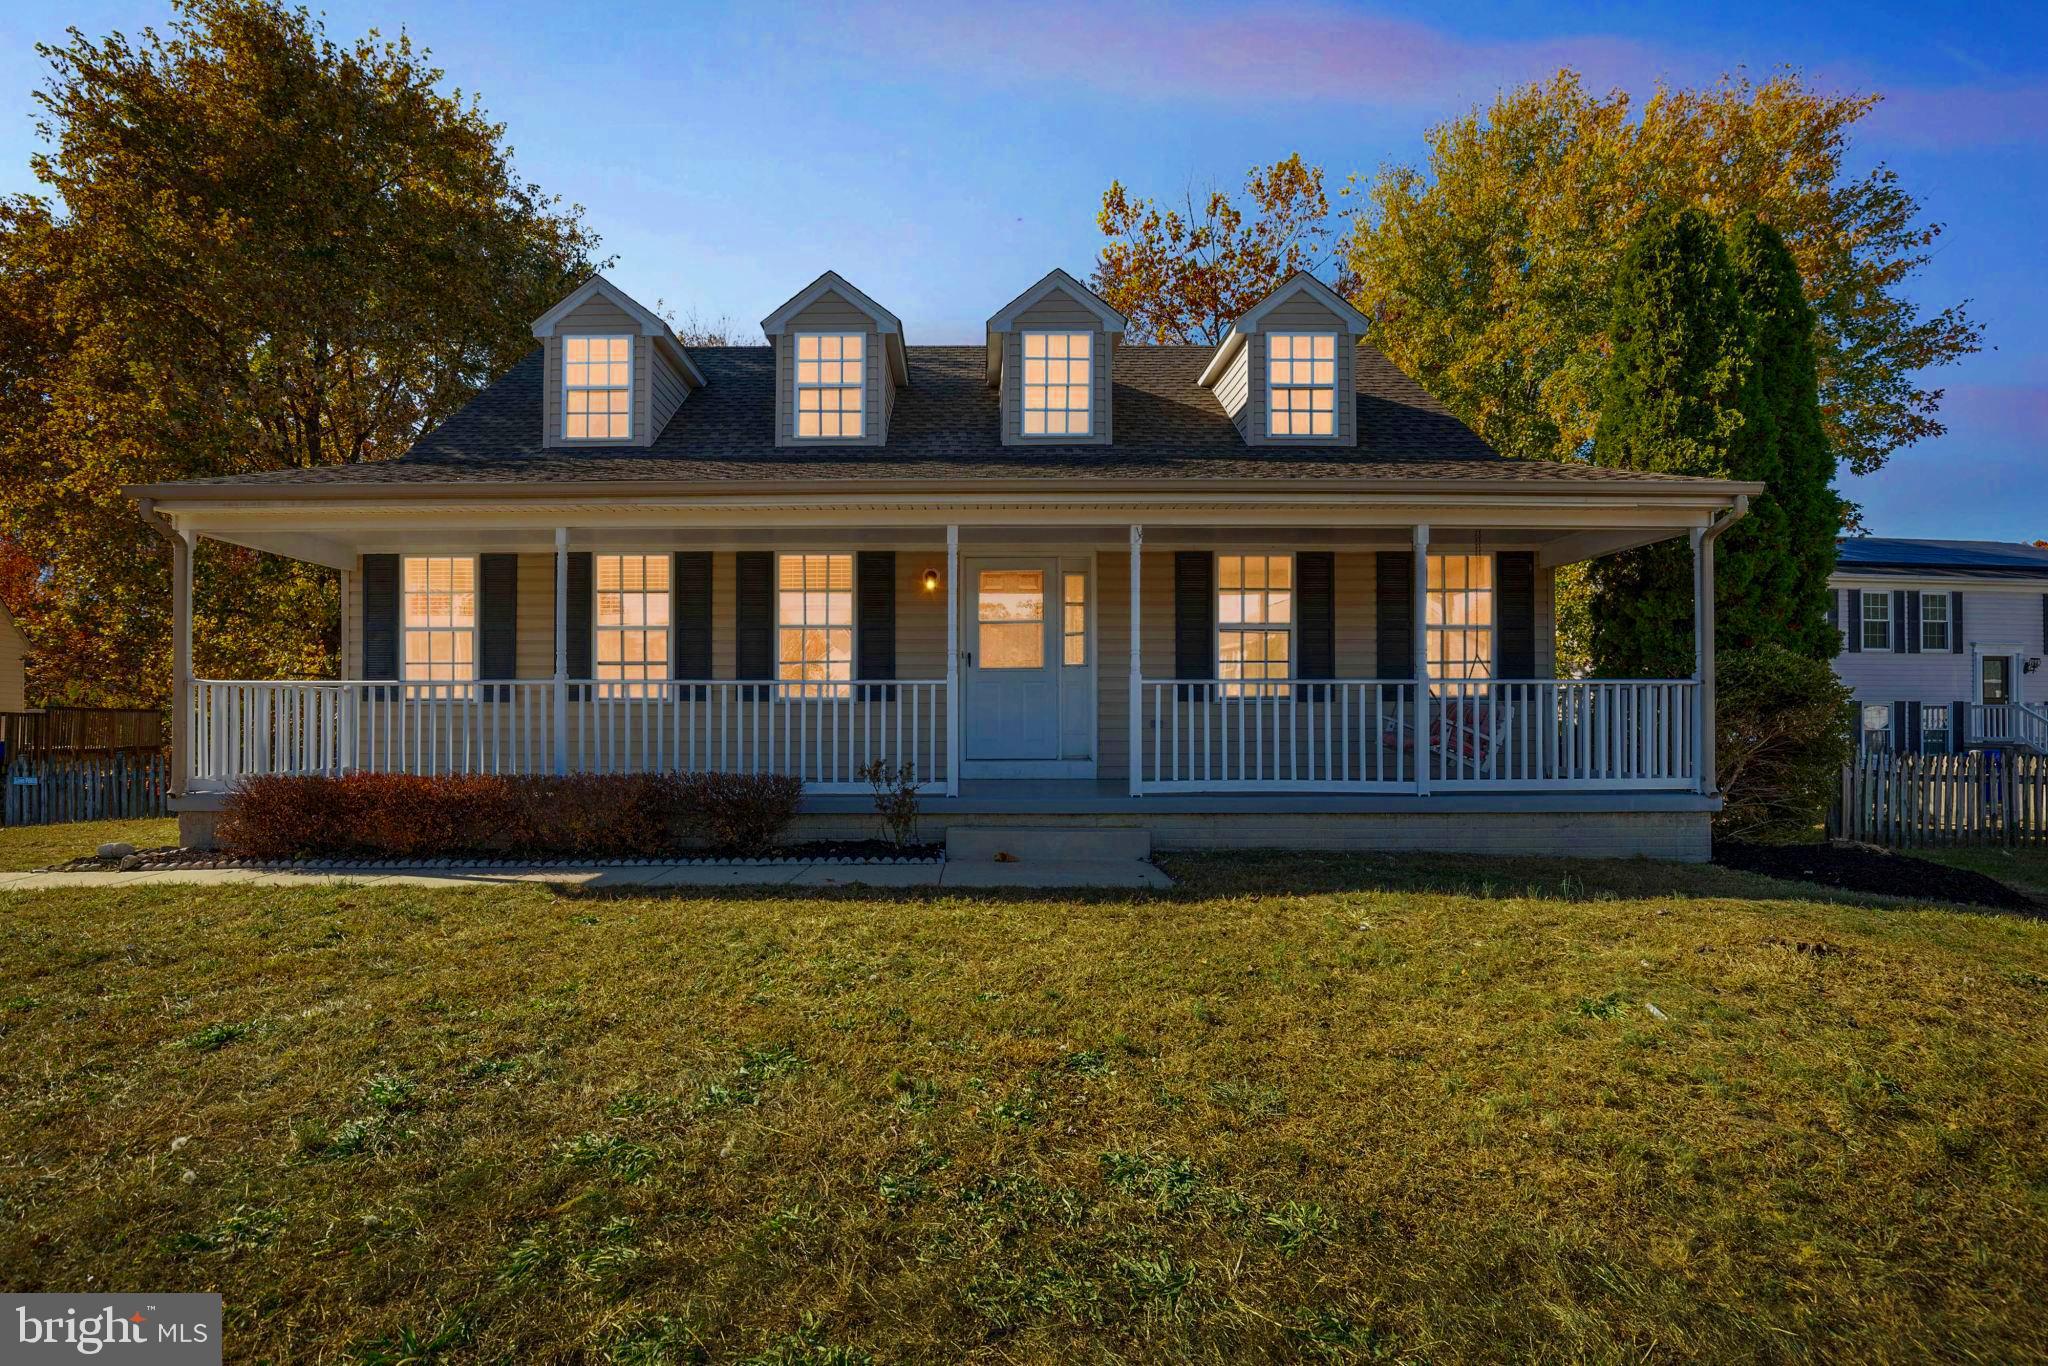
(943, 157)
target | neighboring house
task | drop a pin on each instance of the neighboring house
(1942, 642)
(13, 664)
(1062, 578)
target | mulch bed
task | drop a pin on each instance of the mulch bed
(810, 851)
(1866, 868)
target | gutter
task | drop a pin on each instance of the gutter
(146, 506)
(1729, 518)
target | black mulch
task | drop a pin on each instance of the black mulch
(810, 851)
(1864, 868)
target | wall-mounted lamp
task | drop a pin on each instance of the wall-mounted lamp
(2031, 665)
(931, 580)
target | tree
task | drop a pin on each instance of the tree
(261, 249)
(1488, 274)
(1670, 403)
(1183, 275)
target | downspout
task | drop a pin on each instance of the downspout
(1703, 637)
(181, 643)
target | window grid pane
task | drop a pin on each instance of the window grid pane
(814, 625)
(1459, 617)
(1301, 384)
(1255, 622)
(1074, 619)
(630, 622)
(440, 618)
(1058, 383)
(1934, 624)
(1877, 621)
(831, 385)
(597, 388)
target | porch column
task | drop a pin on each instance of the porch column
(1136, 721)
(183, 759)
(952, 661)
(345, 751)
(1703, 656)
(1420, 664)
(561, 650)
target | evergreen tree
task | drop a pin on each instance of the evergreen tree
(1670, 404)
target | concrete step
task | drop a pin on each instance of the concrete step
(1045, 843)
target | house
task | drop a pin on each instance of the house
(1942, 642)
(13, 664)
(1267, 592)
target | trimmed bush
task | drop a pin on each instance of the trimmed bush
(392, 815)
(1781, 738)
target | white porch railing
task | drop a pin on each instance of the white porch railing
(1365, 735)
(822, 736)
(2010, 723)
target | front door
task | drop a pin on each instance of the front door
(1995, 688)
(1010, 665)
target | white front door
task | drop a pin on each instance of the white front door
(1010, 661)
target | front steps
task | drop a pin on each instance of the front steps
(1047, 844)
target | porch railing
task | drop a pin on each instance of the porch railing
(821, 734)
(2010, 723)
(1368, 735)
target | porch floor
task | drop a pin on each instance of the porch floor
(1085, 796)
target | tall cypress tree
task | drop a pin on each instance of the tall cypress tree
(1671, 404)
(1774, 567)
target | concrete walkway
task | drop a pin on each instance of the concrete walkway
(1051, 874)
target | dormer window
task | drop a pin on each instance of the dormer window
(1301, 384)
(597, 388)
(831, 384)
(1057, 383)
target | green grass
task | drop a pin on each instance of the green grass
(2026, 869)
(25, 847)
(1302, 1107)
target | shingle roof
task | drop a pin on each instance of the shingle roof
(1981, 559)
(944, 425)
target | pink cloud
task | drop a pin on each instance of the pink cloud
(2017, 412)
(1961, 116)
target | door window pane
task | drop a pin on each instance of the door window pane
(1074, 619)
(1010, 619)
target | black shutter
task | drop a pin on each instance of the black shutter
(1514, 577)
(1898, 727)
(691, 616)
(1194, 615)
(1854, 635)
(874, 611)
(1912, 622)
(582, 660)
(497, 619)
(380, 616)
(1315, 619)
(1898, 621)
(1913, 727)
(1958, 712)
(1835, 608)
(1955, 623)
(753, 635)
(1394, 607)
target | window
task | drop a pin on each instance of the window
(440, 618)
(1934, 730)
(1056, 383)
(1877, 621)
(1254, 621)
(1459, 606)
(814, 621)
(1934, 622)
(1009, 612)
(1074, 620)
(831, 384)
(630, 625)
(597, 388)
(1877, 725)
(1301, 384)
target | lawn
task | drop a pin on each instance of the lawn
(2024, 868)
(23, 847)
(1313, 1107)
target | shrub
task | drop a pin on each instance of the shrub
(741, 812)
(895, 787)
(1781, 738)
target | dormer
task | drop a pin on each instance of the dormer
(1050, 352)
(1286, 371)
(615, 371)
(838, 362)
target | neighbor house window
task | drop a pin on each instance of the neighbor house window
(630, 625)
(831, 384)
(1057, 383)
(1301, 384)
(1460, 617)
(1877, 725)
(597, 388)
(440, 618)
(1074, 620)
(1254, 621)
(814, 624)
(1934, 622)
(1877, 621)
(1934, 730)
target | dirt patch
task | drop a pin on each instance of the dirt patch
(1864, 868)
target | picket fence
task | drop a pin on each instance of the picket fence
(50, 788)
(1908, 800)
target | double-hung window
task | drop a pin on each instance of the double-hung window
(1301, 384)
(1934, 729)
(1254, 622)
(1057, 383)
(1460, 618)
(1877, 621)
(831, 385)
(1877, 726)
(440, 620)
(814, 625)
(597, 388)
(630, 626)
(1933, 623)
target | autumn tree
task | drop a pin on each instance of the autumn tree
(1184, 274)
(258, 249)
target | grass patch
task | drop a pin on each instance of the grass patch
(1300, 1108)
(2025, 868)
(24, 848)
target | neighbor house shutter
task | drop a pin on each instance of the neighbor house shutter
(1854, 634)
(1955, 623)
(1515, 583)
(1394, 608)
(497, 619)
(1912, 622)
(1898, 727)
(874, 611)
(582, 661)
(690, 615)
(1898, 621)
(380, 616)
(1315, 614)
(1958, 712)
(1913, 727)
(1835, 608)
(753, 634)
(1194, 614)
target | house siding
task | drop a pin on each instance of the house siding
(1059, 310)
(670, 388)
(1233, 391)
(832, 312)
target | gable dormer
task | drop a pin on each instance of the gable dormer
(1287, 371)
(615, 371)
(1050, 353)
(839, 360)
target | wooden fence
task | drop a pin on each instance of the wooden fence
(1907, 800)
(80, 728)
(52, 787)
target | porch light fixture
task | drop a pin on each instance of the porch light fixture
(2031, 665)
(931, 580)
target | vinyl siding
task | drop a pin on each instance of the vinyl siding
(1299, 314)
(832, 313)
(1233, 391)
(670, 388)
(597, 317)
(1060, 311)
